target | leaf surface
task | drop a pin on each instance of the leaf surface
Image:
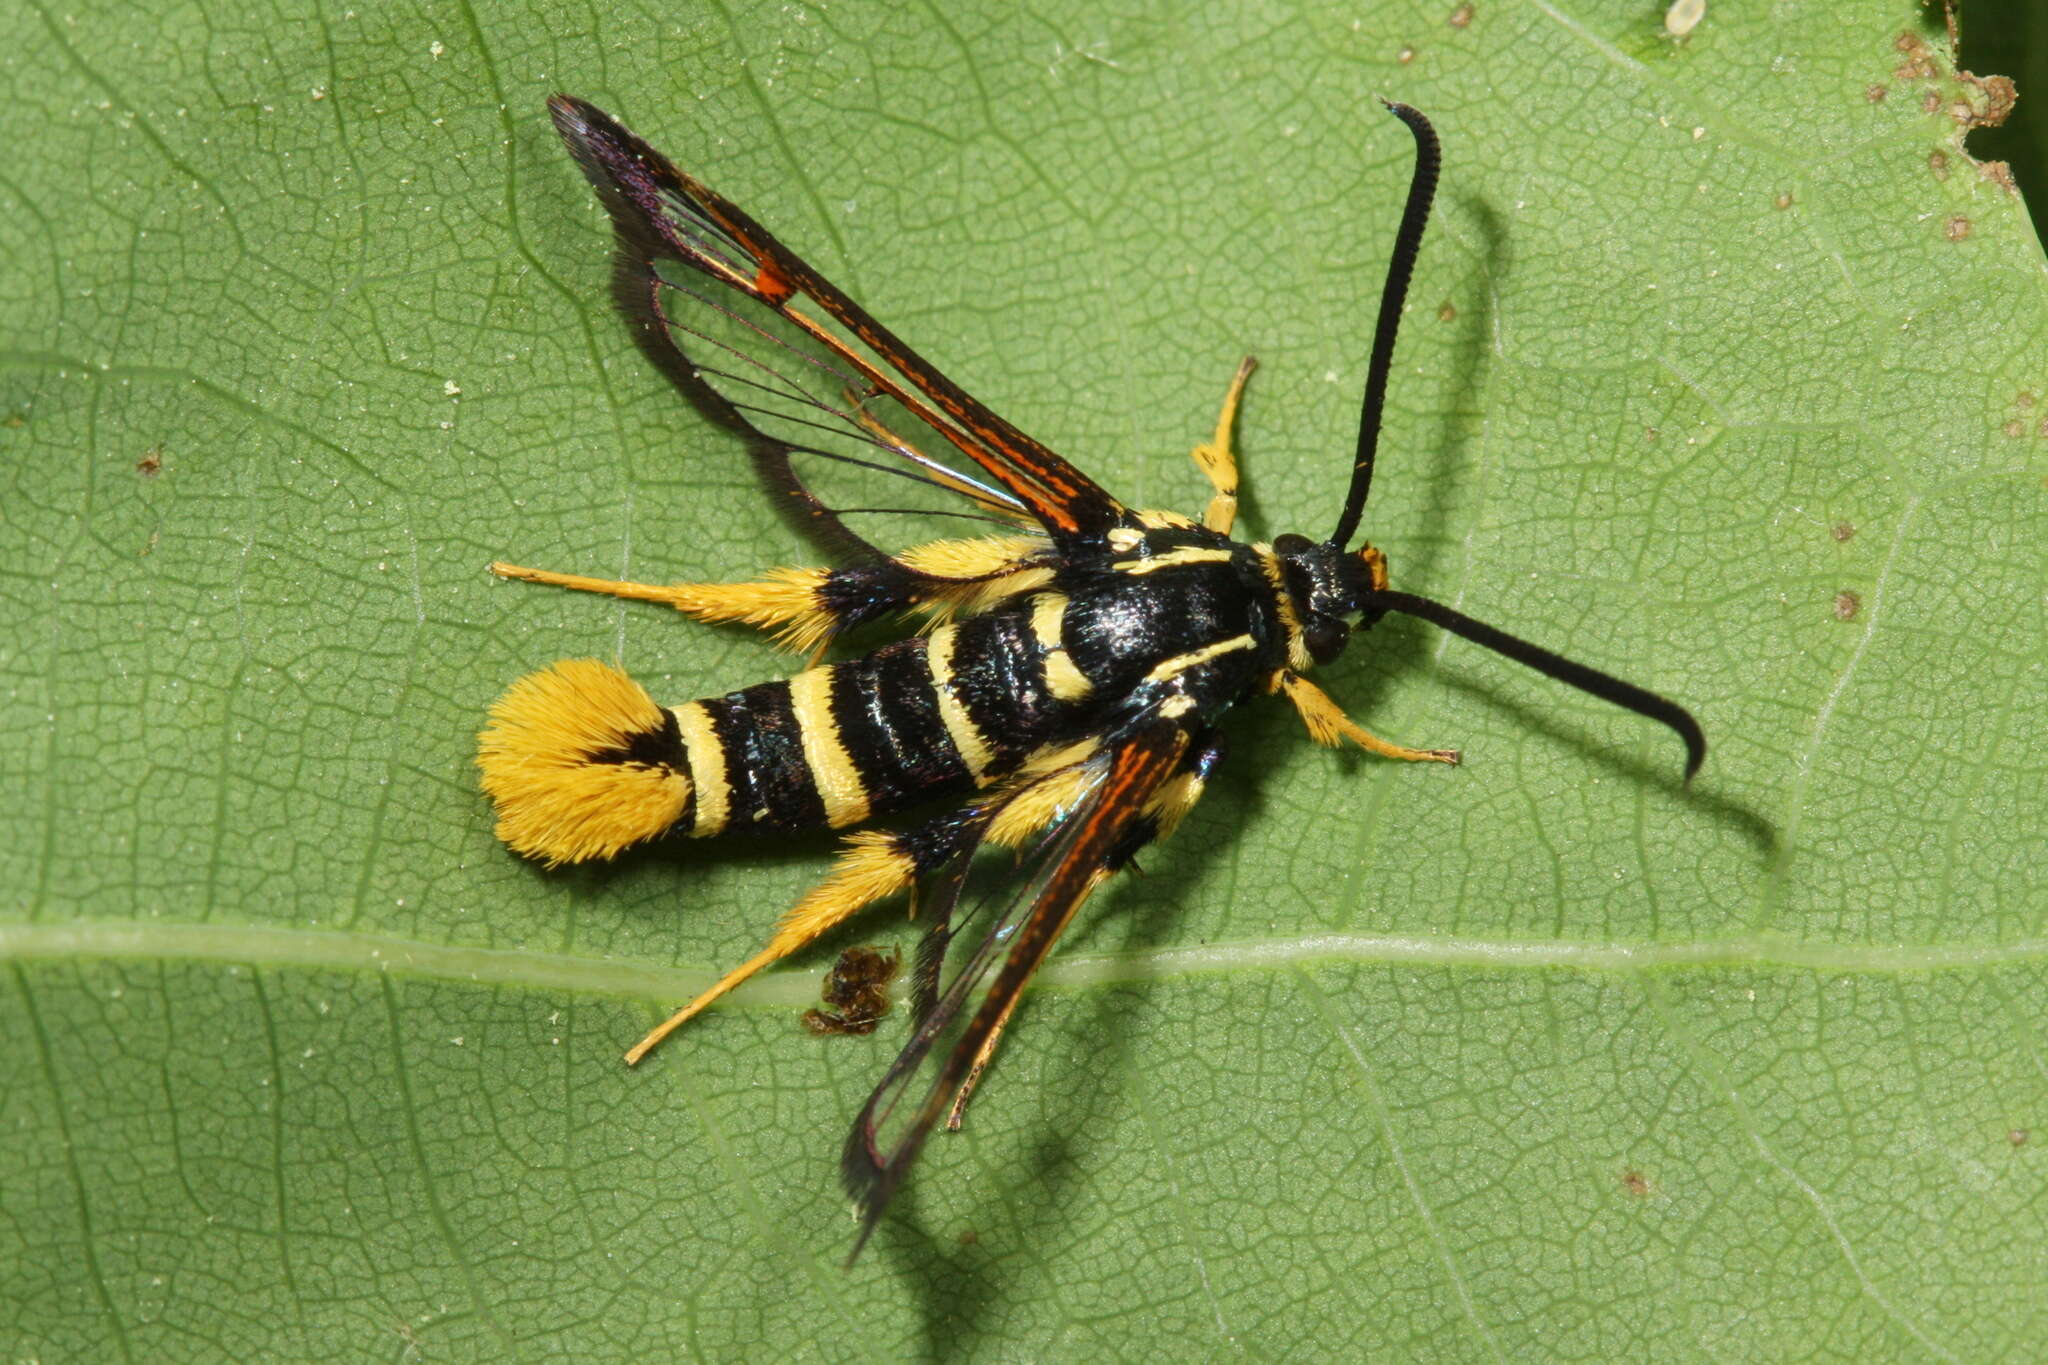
(1724, 370)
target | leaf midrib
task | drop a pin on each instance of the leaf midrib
(542, 971)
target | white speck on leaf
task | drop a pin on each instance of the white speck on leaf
(1684, 16)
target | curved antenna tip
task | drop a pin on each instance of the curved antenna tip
(1695, 752)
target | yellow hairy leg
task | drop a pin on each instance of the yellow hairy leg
(791, 604)
(1214, 458)
(785, 601)
(1327, 723)
(990, 569)
(873, 867)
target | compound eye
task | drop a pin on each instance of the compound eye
(1292, 543)
(1325, 637)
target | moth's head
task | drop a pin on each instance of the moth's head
(1329, 586)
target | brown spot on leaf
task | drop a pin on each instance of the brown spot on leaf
(1784, 199)
(1988, 100)
(1998, 173)
(1919, 61)
(1405, 55)
(856, 991)
(1937, 161)
(152, 462)
(2018, 1137)
(1876, 93)
(14, 421)
(1930, 102)
(1957, 227)
(1446, 313)
(1461, 17)
(969, 1238)
(1636, 1183)
(2014, 428)
(1842, 531)
(2024, 398)
(1847, 604)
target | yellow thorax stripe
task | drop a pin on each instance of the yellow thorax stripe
(1190, 555)
(1181, 663)
(1063, 678)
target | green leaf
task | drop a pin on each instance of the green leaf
(1724, 370)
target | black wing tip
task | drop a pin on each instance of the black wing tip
(859, 1171)
(575, 117)
(866, 1182)
(607, 149)
(592, 136)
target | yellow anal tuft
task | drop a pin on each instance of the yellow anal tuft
(574, 760)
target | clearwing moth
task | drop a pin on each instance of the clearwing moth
(1062, 698)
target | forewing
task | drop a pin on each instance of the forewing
(713, 301)
(922, 1082)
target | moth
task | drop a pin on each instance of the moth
(1062, 699)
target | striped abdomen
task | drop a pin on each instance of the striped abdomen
(582, 764)
(922, 717)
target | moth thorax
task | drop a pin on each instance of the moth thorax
(581, 763)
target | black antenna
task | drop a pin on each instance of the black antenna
(1605, 686)
(1407, 242)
